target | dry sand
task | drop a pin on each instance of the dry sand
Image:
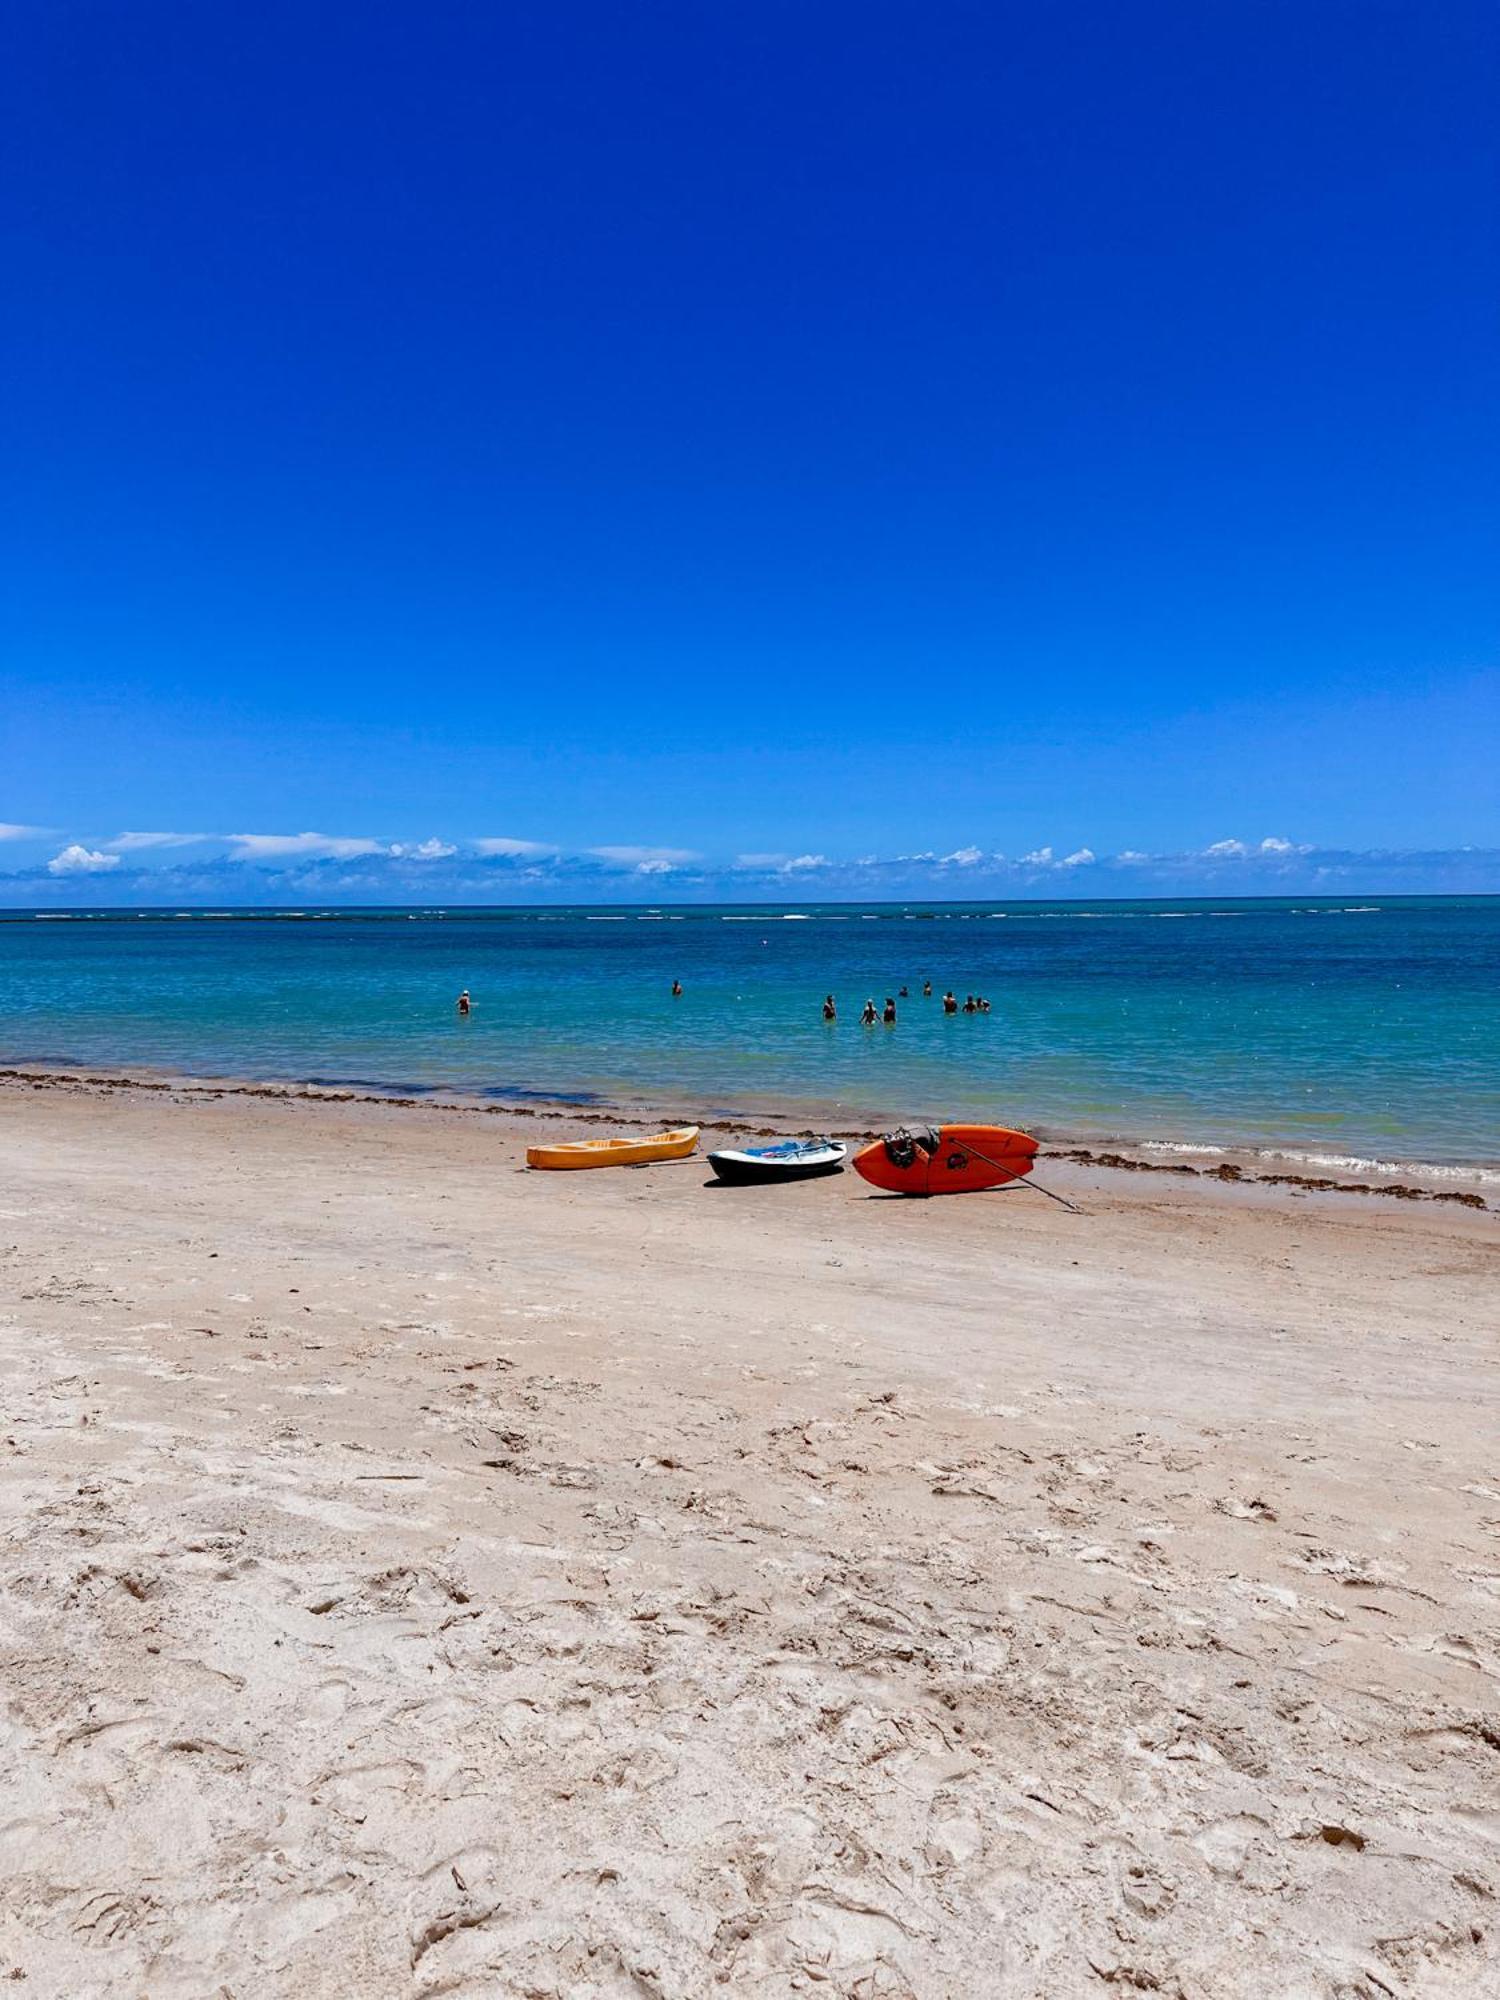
(422, 1577)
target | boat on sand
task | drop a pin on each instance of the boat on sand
(947, 1159)
(674, 1145)
(791, 1160)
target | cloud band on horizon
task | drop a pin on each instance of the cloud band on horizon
(364, 867)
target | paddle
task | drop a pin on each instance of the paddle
(1023, 1179)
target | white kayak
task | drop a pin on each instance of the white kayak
(790, 1160)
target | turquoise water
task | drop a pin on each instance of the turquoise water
(1353, 1029)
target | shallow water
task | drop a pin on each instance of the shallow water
(1350, 1030)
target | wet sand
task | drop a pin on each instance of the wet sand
(422, 1577)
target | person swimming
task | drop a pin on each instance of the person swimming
(926, 989)
(889, 1017)
(982, 1004)
(464, 1002)
(869, 1017)
(903, 994)
(830, 1012)
(969, 1005)
(950, 1005)
(676, 989)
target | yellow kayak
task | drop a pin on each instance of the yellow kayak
(616, 1152)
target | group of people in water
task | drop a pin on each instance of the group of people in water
(974, 1003)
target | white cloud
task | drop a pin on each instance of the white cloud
(10, 831)
(1132, 854)
(915, 859)
(964, 857)
(77, 860)
(131, 843)
(1043, 857)
(646, 860)
(422, 850)
(514, 849)
(1239, 850)
(780, 864)
(278, 846)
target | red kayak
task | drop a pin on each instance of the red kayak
(947, 1159)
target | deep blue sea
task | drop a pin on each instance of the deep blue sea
(1340, 1030)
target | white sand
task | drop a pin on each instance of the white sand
(424, 1578)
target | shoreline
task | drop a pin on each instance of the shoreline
(1231, 1163)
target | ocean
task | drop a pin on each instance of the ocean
(1339, 1031)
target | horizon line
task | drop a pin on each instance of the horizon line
(732, 903)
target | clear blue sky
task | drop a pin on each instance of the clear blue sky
(779, 430)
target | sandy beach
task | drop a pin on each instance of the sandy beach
(422, 1577)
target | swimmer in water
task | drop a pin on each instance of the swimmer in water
(830, 1012)
(890, 1012)
(464, 1002)
(869, 1017)
(926, 989)
(969, 1006)
(676, 989)
(950, 1005)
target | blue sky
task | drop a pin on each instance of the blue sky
(705, 449)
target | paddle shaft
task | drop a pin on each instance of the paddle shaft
(1022, 1178)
